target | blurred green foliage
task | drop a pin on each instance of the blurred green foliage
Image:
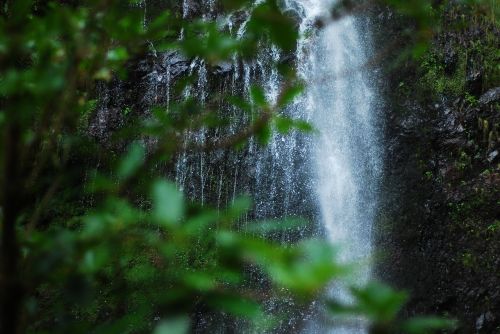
(93, 239)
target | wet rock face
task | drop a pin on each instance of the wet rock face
(174, 64)
(483, 320)
(439, 225)
(491, 96)
(149, 82)
(441, 231)
(450, 59)
(444, 227)
(474, 82)
(194, 9)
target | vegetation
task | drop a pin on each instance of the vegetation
(466, 47)
(93, 238)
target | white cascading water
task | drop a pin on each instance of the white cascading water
(346, 155)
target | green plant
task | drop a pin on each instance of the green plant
(434, 78)
(463, 162)
(495, 227)
(471, 99)
(468, 259)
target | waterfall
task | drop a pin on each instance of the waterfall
(346, 155)
(342, 105)
(330, 177)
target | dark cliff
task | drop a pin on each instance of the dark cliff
(439, 228)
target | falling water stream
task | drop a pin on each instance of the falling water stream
(346, 156)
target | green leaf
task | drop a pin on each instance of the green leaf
(132, 161)
(240, 103)
(239, 206)
(227, 239)
(275, 225)
(268, 20)
(95, 259)
(122, 325)
(306, 268)
(290, 94)
(264, 135)
(238, 306)
(379, 302)
(199, 280)
(117, 54)
(103, 74)
(100, 183)
(258, 96)
(303, 126)
(178, 325)
(140, 273)
(168, 203)
(283, 124)
(420, 325)
(197, 224)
